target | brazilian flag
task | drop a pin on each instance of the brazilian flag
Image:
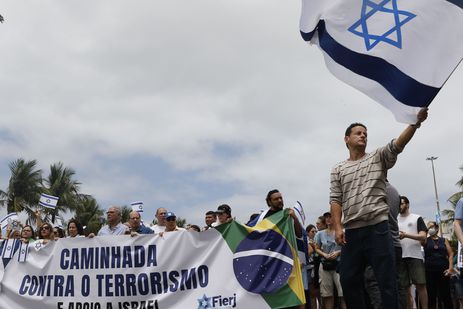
(265, 259)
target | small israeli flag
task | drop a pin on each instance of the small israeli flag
(48, 201)
(137, 206)
(38, 244)
(12, 216)
(23, 251)
(8, 248)
(299, 210)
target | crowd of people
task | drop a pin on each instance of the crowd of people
(367, 251)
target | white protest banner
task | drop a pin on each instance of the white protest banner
(179, 270)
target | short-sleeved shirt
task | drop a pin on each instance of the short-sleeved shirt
(119, 229)
(327, 242)
(158, 228)
(144, 230)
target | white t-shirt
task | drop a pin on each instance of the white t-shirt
(410, 248)
(158, 228)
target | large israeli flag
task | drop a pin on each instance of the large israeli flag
(398, 52)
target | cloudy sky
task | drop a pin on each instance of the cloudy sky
(190, 104)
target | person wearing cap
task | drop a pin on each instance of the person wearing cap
(171, 223)
(224, 214)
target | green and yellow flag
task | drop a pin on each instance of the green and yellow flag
(265, 259)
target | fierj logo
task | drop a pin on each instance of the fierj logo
(217, 301)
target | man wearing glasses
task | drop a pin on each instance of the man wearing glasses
(171, 223)
(114, 226)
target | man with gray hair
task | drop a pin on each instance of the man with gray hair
(114, 225)
(160, 226)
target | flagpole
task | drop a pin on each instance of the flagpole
(454, 69)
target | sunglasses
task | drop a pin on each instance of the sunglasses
(45, 228)
(170, 219)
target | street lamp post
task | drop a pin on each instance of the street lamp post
(435, 190)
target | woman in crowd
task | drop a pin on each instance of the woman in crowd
(45, 233)
(27, 234)
(75, 228)
(58, 232)
(330, 253)
(314, 285)
(438, 263)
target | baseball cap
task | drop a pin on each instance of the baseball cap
(224, 209)
(170, 214)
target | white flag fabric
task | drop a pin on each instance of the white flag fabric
(398, 52)
(9, 219)
(299, 210)
(12, 216)
(48, 201)
(23, 251)
(8, 248)
(137, 206)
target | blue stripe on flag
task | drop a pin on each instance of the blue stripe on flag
(457, 2)
(51, 197)
(308, 36)
(401, 86)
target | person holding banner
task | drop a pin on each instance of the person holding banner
(114, 226)
(27, 234)
(160, 226)
(75, 228)
(135, 225)
(357, 191)
(45, 233)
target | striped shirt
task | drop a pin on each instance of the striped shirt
(359, 187)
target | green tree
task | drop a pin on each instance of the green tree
(125, 211)
(89, 213)
(61, 183)
(24, 187)
(449, 214)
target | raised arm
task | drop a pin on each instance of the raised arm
(409, 131)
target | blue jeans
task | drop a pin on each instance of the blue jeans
(370, 245)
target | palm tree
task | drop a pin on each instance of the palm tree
(60, 183)
(460, 182)
(89, 213)
(450, 213)
(24, 187)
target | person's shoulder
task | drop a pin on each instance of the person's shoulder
(459, 204)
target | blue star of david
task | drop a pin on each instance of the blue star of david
(204, 302)
(369, 9)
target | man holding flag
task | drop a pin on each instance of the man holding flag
(358, 192)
